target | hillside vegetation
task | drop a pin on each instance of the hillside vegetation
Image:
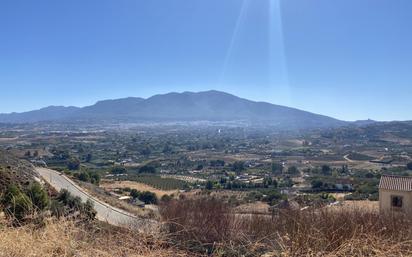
(14, 171)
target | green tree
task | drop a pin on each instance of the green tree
(88, 157)
(293, 170)
(95, 178)
(238, 166)
(209, 185)
(148, 197)
(277, 168)
(84, 176)
(147, 169)
(326, 170)
(73, 163)
(273, 197)
(316, 184)
(134, 193)
(118, 170)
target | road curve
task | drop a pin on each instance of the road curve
(346, 157)
(105, 212)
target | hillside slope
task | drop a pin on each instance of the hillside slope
(14, 171)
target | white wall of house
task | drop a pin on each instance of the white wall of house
(385, 200)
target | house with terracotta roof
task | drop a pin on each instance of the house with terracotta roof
(395, 193)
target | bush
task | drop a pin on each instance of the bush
(209, 225)
(197, 223)
(17, 205)
(277, 168)
(73, 163)
(68, 205)
(90, 177)
(356, 197)
(273, 197)
(147, 169)
(146, 196)
(38, 196)
(238, 166)
(317, 184)
(166, 198)
(326, 170)
(118, 170)
(209, 185)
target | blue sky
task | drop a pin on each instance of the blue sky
(350, 59)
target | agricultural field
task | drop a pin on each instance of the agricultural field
(110, 185)
(165, 184)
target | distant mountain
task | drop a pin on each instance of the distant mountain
(187, 106)
(44, 114)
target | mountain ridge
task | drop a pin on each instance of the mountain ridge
(209, 105)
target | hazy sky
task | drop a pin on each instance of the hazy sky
(350, 59)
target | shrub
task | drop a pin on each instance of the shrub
(277, 168)
(209, 185)
(90, 177)
(197, 223)
(17, 205)
(146, 196)
(166, 198)
(68, 205)
(73, 163)
(273, 197)
(316, 184)
(38, 196)
(118, 170)
(208, 224)
(238, 166)
(147, 169)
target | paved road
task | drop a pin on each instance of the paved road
(346, 157)
(105, 212)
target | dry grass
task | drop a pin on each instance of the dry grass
(112, 185)
(103, 196)
(207, 225)
(65, 238)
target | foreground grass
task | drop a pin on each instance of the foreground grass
(196, 227)
(66, 239)
(208, 225)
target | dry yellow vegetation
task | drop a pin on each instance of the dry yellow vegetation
(66, 239)
(136, 185)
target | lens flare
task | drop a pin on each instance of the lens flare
(239, 22)
(279, 74)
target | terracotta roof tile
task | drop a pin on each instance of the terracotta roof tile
(398, 183)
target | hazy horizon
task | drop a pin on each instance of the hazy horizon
(344, 59)
(181, 92)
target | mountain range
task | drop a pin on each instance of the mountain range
(214, 106)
